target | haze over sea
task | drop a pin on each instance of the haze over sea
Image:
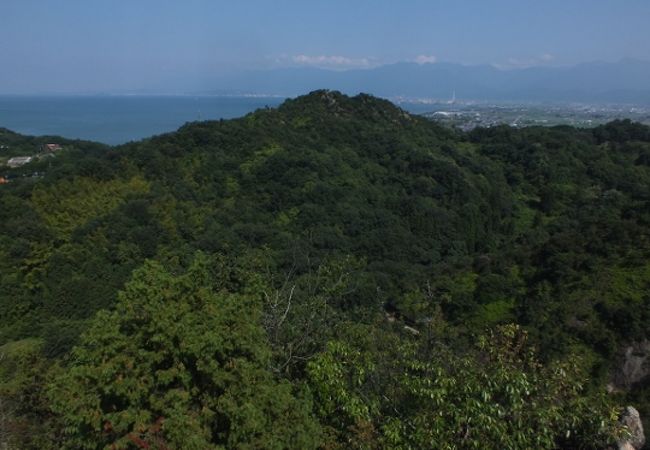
(118, 119)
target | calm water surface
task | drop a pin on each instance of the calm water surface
(118, 119)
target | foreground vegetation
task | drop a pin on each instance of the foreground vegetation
(333, 273)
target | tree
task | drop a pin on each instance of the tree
(179, 363)
(25, 419)
(494, 396)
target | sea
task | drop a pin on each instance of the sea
(117, 119)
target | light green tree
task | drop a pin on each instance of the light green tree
(494, 396)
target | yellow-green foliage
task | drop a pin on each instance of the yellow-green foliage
(13, 358)
(626, 284)
(495, 312)
(259, 158)
(285, 218)
(616, 289)
(462, 285)
(23, 371)
(71, 203)
(524, 216)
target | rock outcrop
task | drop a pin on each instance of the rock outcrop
(634, 365)
(631, 419)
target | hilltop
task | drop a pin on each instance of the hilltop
(371, 267)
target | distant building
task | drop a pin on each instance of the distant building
(50, 148)
(18, 161)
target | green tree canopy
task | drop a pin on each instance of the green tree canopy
(377, 392)
(179, 363)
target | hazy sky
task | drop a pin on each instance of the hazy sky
(111, 45)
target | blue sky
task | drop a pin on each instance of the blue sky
(102, 45)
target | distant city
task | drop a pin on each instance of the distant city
(467, 115)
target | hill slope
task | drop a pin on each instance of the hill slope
(367, 210)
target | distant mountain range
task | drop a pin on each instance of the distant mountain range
(626, 81)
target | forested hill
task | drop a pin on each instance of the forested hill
(332, 273)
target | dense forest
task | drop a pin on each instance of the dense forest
(334, 273)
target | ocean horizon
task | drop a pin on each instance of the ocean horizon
(121, 118)
(117, 119)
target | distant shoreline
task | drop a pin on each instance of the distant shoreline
(117, 119)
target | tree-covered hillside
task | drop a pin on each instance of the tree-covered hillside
(333, 273)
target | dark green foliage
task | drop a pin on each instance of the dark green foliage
(179, 363)
(343, 209)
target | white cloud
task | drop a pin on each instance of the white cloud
(339, 62)
(330, 61)
(425, 59)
